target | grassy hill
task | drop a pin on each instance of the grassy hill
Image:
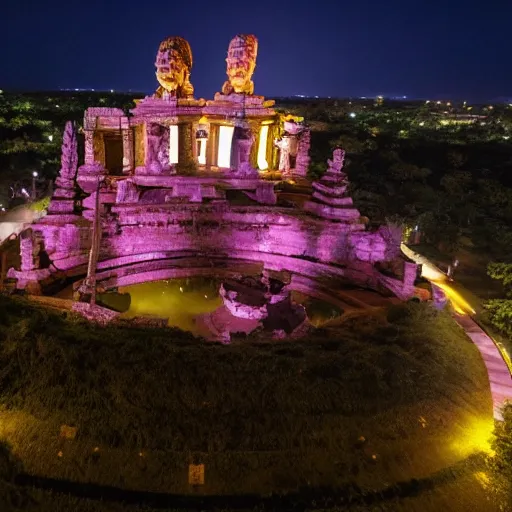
(398, 395)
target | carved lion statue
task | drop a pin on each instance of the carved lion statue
(241, 61)
(173, 65)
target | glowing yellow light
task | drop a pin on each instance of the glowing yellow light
(96, 449)
(460, 305)
(225, 140)
(262, 148)
(173, 144)
(201, 158)
(291, 182)
(476, 437)
(181, 289)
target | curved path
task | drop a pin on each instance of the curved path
(498, 369)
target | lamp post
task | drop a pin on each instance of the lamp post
(34, 177)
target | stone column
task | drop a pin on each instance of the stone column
(255, 127)
(195, 153)
(89, 147)
(128, 153)
(186, 162)
(211, 148)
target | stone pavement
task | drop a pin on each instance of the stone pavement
(497, 369)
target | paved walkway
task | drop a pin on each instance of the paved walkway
(497, 369)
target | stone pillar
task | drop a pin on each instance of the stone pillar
(186, 162)
(89, 147)
(255, 127)
(211, 148)
(140, 144)
(29, 250)
(128, 153)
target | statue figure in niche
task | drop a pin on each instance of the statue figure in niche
(288, 147)
(243, 139)
(241, 62)
(173, 65)
(157, 152)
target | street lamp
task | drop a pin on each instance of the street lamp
(34, 177)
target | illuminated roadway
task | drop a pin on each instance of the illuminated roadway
(465, 305)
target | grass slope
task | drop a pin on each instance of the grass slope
(262, 416)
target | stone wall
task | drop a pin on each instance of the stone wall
(280, 238)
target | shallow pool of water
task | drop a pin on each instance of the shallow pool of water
(179, 300)
(182, 300)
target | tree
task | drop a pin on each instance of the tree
(501, 463)
(500, 310)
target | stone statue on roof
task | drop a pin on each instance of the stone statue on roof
(241, 62)
(173, 64)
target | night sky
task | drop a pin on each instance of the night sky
(437, 49)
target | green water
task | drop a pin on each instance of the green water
(179, 300)
(182, 300)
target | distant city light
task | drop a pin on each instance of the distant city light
(24, 192)
(438, 102)
(428, 101)
(352, 114)
(35, 174)
(1, 92)
(58, 106)
(50, 138)
(422, 123)
(111, 90)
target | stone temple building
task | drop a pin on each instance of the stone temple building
(158, 194)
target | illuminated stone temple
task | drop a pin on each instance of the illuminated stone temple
(183, 186)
